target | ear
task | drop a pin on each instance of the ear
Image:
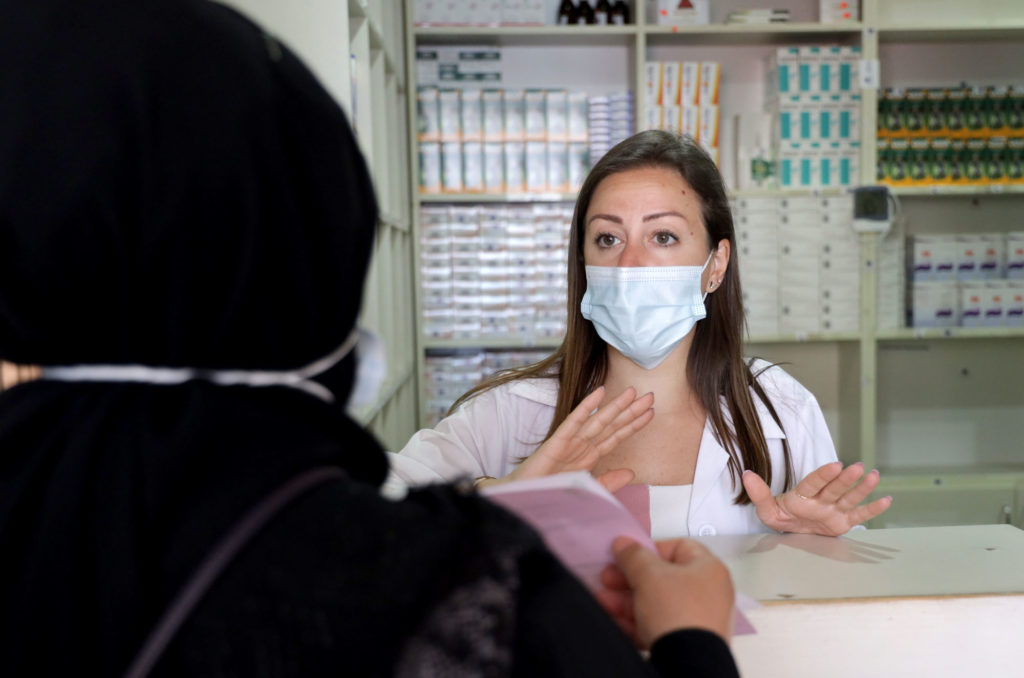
(719, 264)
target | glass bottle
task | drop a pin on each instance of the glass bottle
(602, 12)
(567, 13)
(619, 14)
(586, 13)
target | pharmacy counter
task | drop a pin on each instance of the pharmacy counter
(935, 601)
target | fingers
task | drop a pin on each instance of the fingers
(865, 513)
(616, 479)
(613, 579)
(859, 493)
(681, 551)
(847, 478)
(632, 558)
(756, 488)
(616, 416)
(816, 480)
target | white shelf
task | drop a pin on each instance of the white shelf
(492, 343)
(551, 36)
(915, 333)
(748, 34)
(946, 190)
(961, 33)
(803, 337)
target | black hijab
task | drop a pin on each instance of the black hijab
(176, 190)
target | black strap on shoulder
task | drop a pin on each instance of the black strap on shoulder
(217, 560)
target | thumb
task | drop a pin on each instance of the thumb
(757, 489)
(616, 479)
(632, 558)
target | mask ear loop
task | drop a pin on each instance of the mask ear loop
(711, 284)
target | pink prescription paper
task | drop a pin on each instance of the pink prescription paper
(579, 519)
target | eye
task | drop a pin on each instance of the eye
(605, 240)
(665, 238)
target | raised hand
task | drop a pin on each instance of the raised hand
(826, 502)
(589, 432)
(683, 586)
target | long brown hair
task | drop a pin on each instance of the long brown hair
(715, 365)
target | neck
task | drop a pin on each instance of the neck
(668, 381)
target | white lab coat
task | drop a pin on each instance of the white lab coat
(489, 433)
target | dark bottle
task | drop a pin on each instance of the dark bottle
(619, 14)
(602, 12)
(586, 13)
(567, 13)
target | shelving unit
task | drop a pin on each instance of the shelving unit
(357, 50)
(876, 401)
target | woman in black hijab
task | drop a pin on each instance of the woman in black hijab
(185, 224)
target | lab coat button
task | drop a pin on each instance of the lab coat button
(707, 531)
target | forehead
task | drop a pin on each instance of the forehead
(645, 190)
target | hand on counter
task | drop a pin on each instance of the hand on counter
(826, 502)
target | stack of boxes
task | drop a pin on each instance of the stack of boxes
(814, 94)
(799, 263)
(610, 120)
(968, 280)
(683, 97)
(481, 13)
(891, 297)
(450, 374)
(493, 272)
(501, 141)
(955, 136)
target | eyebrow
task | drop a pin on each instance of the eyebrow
(647, 217)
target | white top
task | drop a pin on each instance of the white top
(670, 506)
(489, 433)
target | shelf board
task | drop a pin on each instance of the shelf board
(943, 190)
(917, 333)
(550, 36)
(752, 34)
(960, 33)
(790, 193)
(495, 197)
(802, 337)
(511, 343)
(952, 477)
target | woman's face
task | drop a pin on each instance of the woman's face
(648, 216)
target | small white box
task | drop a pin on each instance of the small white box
(430, 167)
(708, 136)
(934, 258)
(472, 167)
(671, 83)
(535, 115)
(935, 304)
(710, 82)
(451, 167)
(536, 166)
(515, 109)
(690, 121)
(1015, 255)
(558, 167)
(994, 303)
(992, 256)
(494, 167)
(689, 89)
(968, 256)
(675, 13)
(492, 104)
(450, 105)
(972, 304)
(838, 11)
(429, 113)
(653, 73)
(515, 177)
(557, 110)
(1014, 316)
(472, 115)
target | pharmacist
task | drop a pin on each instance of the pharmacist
(649, 386)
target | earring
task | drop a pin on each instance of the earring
(711, 285)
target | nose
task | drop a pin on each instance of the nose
(632, 255)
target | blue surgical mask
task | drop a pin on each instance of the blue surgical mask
(644, 311)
